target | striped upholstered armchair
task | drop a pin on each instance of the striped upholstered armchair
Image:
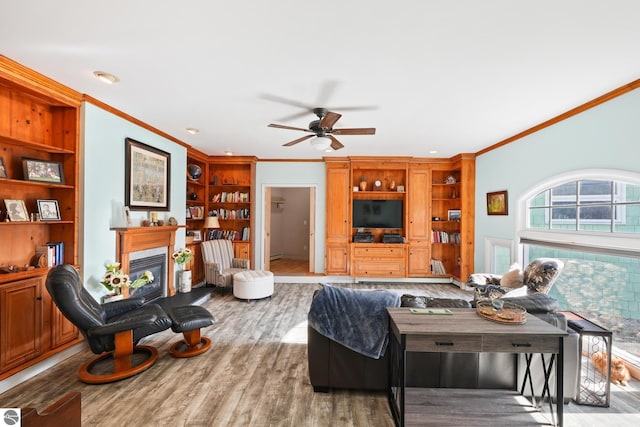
(220, 264)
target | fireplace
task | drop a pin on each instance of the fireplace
(137, 243)
(157, 265)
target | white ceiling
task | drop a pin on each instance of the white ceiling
(449, 75)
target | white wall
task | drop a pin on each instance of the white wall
(290, 174)
(102, 188)
(603, 137)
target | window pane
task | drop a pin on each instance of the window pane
(501, 259)
(628, 192)
(630, 221)
(601, 288)
(538, 218)
(568, 191)
(596, 212)
(595, 188)
(540, 200)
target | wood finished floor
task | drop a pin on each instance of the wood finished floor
(255, 374)
(290, 267)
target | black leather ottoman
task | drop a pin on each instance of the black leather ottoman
(189, 319)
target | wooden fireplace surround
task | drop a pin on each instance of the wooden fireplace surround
(136, 239)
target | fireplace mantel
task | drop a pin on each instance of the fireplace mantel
(136, 239)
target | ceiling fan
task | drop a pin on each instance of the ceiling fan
(323, 131)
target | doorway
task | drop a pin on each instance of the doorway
(290, 230)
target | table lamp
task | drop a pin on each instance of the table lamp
(211, 222)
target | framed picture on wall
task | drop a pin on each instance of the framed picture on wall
(497, 203)
(147, 177)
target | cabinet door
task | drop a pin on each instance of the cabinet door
(21, 322)
(337, 259)
(338, 202)
(419, 261)
(196, 265)
(419, 185)
(241, 250)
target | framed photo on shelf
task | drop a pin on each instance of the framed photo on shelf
(197, 235)
(497, 203)
(197, 212)
(188, 214)
(49, 210)
(147, 177)
(3, 168)
(16, 210)
(42, 171)
(453, 215)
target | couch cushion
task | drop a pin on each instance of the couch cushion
(418, 301)
(512, 278)
(534, 302)
(541, 273)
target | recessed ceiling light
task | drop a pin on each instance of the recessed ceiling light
(228, 153)
(106, 77)
(193, 131)
(433, 151)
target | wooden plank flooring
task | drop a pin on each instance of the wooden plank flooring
(255, 374)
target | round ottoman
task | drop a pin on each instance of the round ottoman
(253, 284)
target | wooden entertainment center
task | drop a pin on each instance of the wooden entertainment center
(437, 198)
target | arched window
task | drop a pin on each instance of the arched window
(590, 219)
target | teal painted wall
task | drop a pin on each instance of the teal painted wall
(603, 137)
(102, 195)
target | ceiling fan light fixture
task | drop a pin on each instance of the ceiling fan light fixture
(321, 143)
(104, 77)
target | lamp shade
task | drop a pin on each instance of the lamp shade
(321, 142)
(211, 222)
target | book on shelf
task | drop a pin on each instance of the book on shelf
(444, 237)
(53, 253)
(228, 234)
(437, 267)
(231, 197)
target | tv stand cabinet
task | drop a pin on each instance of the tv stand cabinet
(378, 259)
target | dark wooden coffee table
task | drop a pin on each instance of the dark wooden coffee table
(464, 331)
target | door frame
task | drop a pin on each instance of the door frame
(266, 225)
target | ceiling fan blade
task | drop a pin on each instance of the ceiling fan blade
(335, 144)
(354, 131)
(295, 141)
(287, 101)
(273, 125)
(356, 108)
(329, 119)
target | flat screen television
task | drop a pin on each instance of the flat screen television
(377, 214)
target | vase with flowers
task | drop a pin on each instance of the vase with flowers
(182, 257)
(118, 283)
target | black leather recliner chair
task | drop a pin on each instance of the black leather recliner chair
(112, 330)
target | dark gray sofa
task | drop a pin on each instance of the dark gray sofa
(332, 365)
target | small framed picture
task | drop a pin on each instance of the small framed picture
(453, 215)
(188, 214)
(197, 212)
(497, 203)
(197, 235)
(49, 210)
(42, 171)
(16, 210)
(3, 169)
